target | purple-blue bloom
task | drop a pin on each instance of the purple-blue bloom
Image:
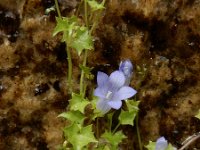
(127, 68)
(111, 91)
(161, 144)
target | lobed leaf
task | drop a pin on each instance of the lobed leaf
(128, 117)
(78, 103)
(73, 116)
(151, 145)
(67, 26)
(79, 136)
(95, 5)
(82, 40)
(113, 139)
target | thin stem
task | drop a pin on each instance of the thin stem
(57, 8)
(117, 126)
(97, 128)
(82, 91)
(95, 22)
(78, 9)
(138, 133)
(110, 122)
(69, 59)
(86, 13)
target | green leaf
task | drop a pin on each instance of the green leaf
(94, 102)
(67, 26)
(95, 5)
(170, 147)
(132, 105)
(96, 112)
(78, 103)
(87, 70)
(198, 115)
(73, 116)
(82, 40)
(127, 117)
(151, 145)
(71, 130)
(79, 136)
(113, 139)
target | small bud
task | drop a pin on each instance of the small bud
(127, 68)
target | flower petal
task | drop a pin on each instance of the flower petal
(124, 93)
(100, 92)
(102, 78)
(161, 144)
(115, 104)
(116, 80)
(103, 106)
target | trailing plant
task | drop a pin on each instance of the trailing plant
(96, 123)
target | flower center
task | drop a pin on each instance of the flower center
(109, 95)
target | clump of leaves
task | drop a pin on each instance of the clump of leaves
(75, 35)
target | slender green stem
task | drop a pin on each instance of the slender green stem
(86, 13)
(78, 9)
(57, 8)
(82, 91)
(110, 123)
(95, 22)
(82, 87)
(69, 59)
(97, 128)
(138, 133)
(117, 126)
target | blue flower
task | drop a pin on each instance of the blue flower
(161, 144)
(127, 68)
(111, 91)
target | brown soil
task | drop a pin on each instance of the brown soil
(160, 36)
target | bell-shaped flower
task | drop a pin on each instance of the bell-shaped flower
(111, 91)
(127, 68)
(161, 144)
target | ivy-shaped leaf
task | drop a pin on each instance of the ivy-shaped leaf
(151, 145)
(87, 71)
(132, 105)
(79, 136)
(78, 103)
(71, 130)
(198, 115)
(73, 116)
(82, 40)
(170, 147)
(113, 139)
(96, 113)
(95, 5)
(127, 117)
(67, 26)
